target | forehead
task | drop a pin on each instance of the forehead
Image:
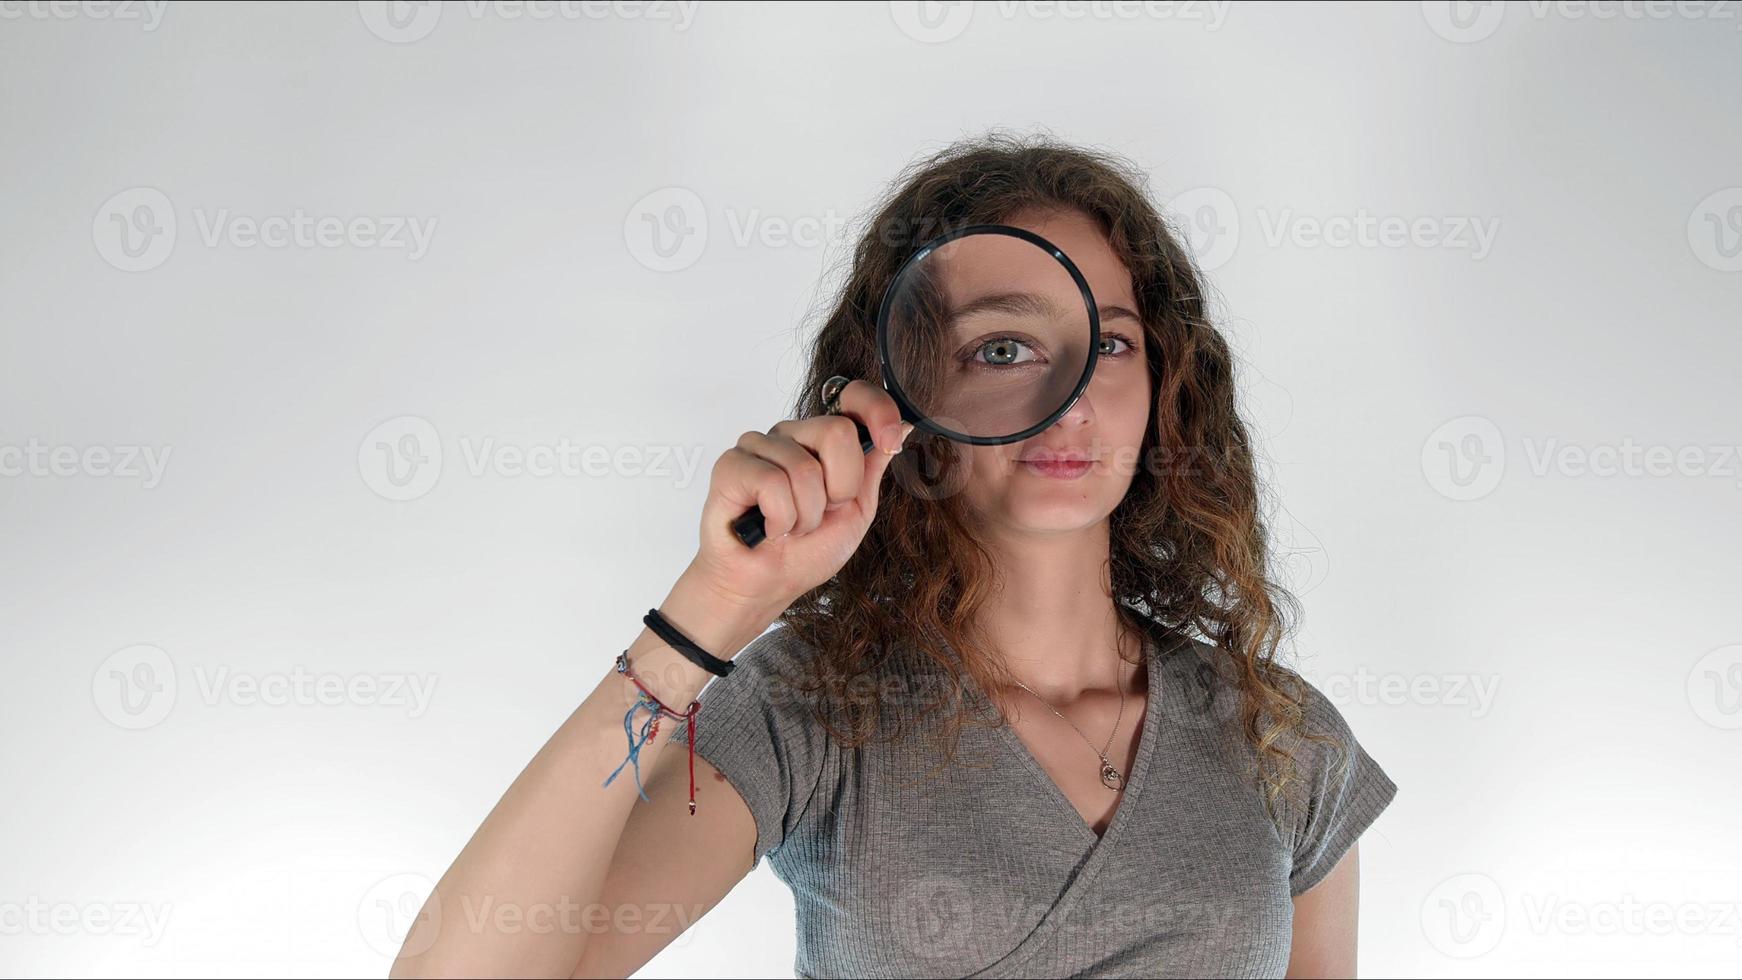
(1080, 237)
(976, 267)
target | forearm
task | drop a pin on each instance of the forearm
(549, 842)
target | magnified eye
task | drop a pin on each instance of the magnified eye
(1003, 352)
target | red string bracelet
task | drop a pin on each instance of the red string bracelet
(646, 700)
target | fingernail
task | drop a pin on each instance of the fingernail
(892, 434)
(901, 440)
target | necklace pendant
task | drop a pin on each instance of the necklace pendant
(1110, 777)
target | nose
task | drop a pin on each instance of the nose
(1081, 412)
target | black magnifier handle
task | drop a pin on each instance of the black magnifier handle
(748, 526)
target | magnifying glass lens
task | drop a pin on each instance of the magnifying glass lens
(988, 334)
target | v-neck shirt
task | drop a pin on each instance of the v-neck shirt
(984, 867)
(1022, 757)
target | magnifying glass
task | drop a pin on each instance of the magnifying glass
(987, 335)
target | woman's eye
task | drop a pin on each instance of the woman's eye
(1109, 342)
(1003, 351)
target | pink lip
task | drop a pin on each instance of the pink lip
(1059, 469)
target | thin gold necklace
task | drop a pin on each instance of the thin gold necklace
(1111, 777)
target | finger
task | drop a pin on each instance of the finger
(834, 440)
(877, 464)
(872, 405)
(803, 470)
(743, 479)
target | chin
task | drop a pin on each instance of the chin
(1038, 505)
(1055, 516)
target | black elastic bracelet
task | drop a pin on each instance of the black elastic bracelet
(682, 644)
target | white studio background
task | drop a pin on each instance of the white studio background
(290, 293)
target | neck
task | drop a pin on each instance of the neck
(1052, 616)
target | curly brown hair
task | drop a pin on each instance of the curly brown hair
(1188, 545)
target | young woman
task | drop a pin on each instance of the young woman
(1030, 724)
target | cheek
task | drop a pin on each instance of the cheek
(1134, 410)
(1122, 404)
(988, 464)
(990, 475)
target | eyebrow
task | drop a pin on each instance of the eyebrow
(1027, 303)
(1014, 303)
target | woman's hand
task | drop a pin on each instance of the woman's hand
(817, 490)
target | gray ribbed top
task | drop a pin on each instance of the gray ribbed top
(987, 870)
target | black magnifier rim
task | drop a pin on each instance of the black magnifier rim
(923, 421)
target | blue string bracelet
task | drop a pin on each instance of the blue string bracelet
(645, 701)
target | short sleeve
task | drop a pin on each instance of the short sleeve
(1347, 790)
(757, 727)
